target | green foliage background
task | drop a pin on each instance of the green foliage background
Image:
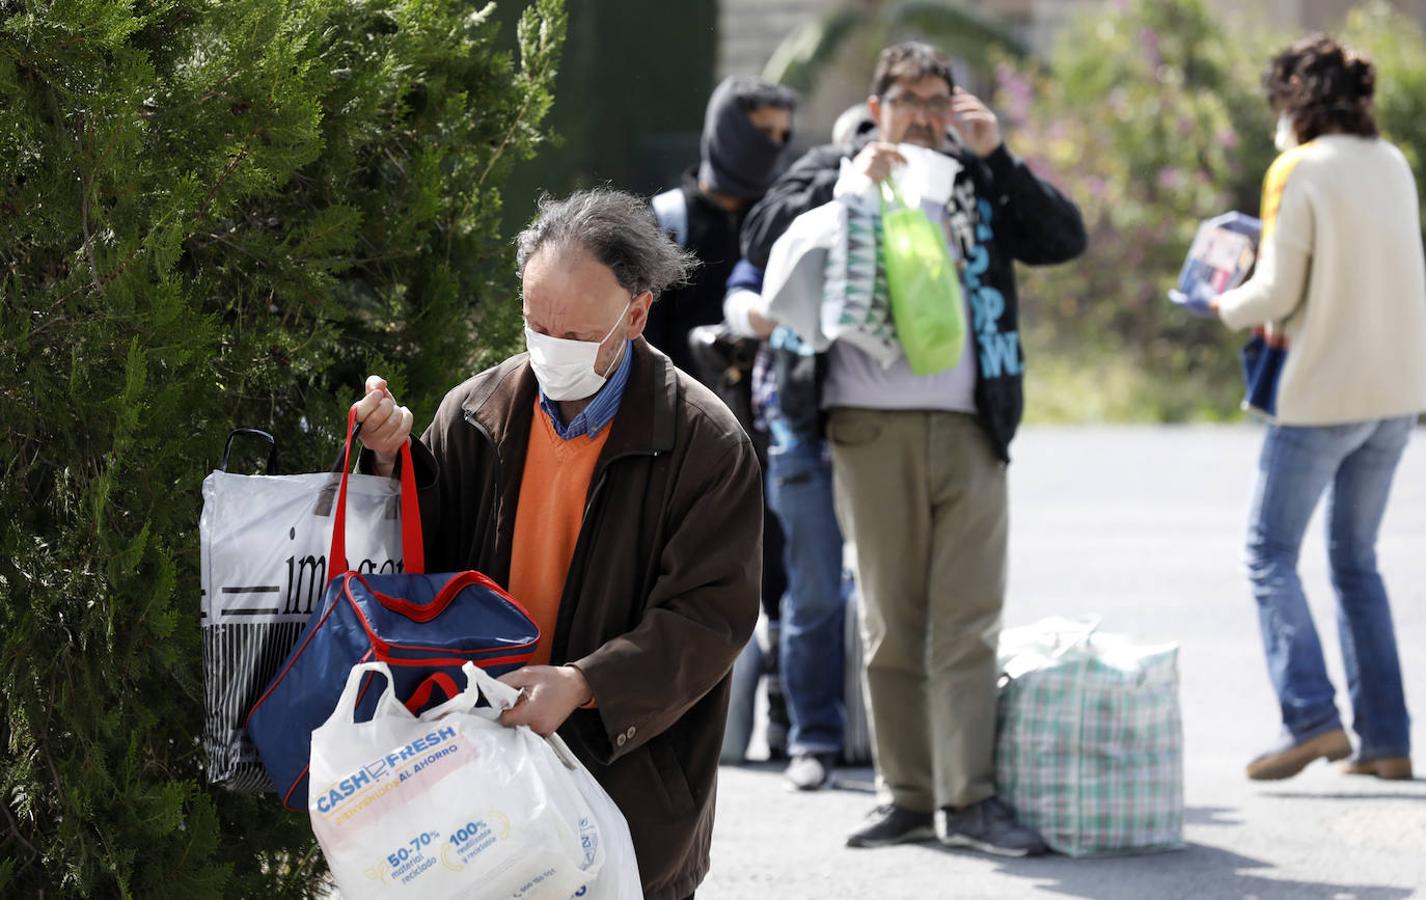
(211, 214)
(1151, 115)
(633, 83)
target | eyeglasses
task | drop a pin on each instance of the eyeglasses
(939, 105)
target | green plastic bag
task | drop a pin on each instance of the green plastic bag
(926, 301)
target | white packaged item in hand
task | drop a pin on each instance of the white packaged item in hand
(452, 804)
(929, 176)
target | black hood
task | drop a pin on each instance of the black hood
(738, 159)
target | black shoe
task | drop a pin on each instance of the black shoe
(810, 771)
(990, 827)
(892, 824)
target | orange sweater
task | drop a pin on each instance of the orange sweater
(553, 491)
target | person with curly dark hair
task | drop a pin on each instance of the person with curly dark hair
(1319, 87)
(1341, 284)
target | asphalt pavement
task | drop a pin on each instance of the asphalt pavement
(1144, 528)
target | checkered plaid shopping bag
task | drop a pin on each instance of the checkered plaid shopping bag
(1089, 746)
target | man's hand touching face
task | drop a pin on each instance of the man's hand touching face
(978, 126)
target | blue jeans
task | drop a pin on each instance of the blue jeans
(799, 490)
(1356, 462)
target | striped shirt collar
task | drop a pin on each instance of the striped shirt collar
(600, 411)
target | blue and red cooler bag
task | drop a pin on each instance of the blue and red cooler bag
(425, 627)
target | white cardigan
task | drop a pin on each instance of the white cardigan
(1341, 275)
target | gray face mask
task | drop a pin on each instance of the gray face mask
(738, 159)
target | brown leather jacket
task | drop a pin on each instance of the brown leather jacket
(662, 592)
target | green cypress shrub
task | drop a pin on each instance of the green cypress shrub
(211, 214)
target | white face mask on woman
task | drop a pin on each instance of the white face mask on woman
(565, 368)
(1285, 138)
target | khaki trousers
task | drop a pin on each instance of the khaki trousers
(923, 496)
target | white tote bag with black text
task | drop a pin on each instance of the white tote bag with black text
(264, 541)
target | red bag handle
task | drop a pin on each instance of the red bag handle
(413, 549)
(444, 597)
(425, 689)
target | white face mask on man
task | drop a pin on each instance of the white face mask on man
(565, 368)
(1285, 138)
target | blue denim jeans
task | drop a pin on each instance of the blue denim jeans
(799, 490)
(1354, 465)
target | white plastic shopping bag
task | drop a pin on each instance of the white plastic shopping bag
(824, 280)
(618, 877)
(452, 804)
(263, 543)
(794, 279)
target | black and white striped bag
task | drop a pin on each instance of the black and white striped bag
(264, 541)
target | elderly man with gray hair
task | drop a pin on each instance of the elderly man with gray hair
(620, 502)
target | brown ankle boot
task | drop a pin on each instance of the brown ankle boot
(1287, 759)
(1390, 768)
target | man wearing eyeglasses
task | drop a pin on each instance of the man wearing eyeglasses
(919, 460)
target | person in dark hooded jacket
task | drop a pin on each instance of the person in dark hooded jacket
(747, 125)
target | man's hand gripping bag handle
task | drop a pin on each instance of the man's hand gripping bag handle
(413, 549)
